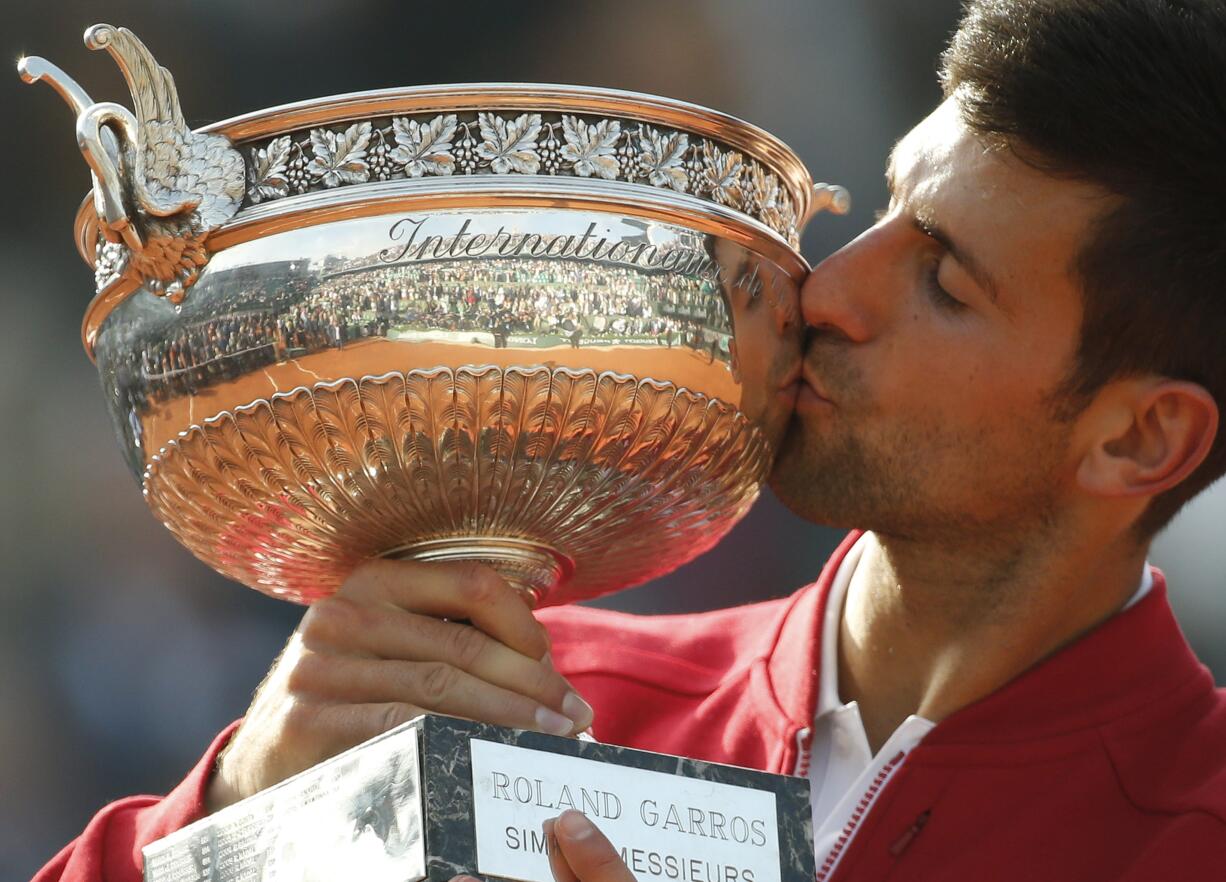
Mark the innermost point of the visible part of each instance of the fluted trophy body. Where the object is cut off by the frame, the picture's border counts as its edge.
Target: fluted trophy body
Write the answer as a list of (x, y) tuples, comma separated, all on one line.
[(554, 329)]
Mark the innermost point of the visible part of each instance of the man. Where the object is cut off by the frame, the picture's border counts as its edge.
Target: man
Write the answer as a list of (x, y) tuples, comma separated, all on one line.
[(1012, 381)]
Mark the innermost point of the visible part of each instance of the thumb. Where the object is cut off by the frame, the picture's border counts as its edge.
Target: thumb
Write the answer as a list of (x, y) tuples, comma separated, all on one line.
[(586, 852)]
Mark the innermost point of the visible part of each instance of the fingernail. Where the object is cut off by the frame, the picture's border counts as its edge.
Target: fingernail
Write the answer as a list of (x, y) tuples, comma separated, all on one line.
[(578, 709), (553, 722), (574, 825), (547, 660)]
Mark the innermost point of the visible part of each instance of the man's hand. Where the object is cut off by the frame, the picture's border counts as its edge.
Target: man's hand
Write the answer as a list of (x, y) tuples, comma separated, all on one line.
[(578, 852), (582, 853), (398, 638)]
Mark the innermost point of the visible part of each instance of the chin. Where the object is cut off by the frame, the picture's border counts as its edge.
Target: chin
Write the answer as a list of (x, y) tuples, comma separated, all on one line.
[(833, 482), (803, 496)]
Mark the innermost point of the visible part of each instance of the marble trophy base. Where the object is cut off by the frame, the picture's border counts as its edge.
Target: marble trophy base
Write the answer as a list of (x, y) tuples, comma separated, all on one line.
[(440, 796)]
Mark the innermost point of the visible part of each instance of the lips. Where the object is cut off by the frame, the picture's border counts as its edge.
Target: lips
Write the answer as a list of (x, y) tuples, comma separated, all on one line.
[(801, 380), (793, 377), (815, 388)]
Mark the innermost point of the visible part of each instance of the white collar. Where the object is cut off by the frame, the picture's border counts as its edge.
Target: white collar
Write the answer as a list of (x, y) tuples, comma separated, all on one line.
[(828, 689)]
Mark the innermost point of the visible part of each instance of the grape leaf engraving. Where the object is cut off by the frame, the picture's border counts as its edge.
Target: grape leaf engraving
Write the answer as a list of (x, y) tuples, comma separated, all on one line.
[(721, 173), (424, 148), (591, 148), (268, 170), (662, 158), (510, 145), (340, 157)]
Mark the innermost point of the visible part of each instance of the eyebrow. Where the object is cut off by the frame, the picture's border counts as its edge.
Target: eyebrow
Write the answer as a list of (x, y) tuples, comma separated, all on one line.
[(930, 228)]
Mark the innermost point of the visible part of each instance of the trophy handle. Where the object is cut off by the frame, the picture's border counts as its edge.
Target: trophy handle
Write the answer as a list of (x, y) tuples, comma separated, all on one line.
[(94, 133), (36, 69), (829, 197), (97, 141), (160, 189)]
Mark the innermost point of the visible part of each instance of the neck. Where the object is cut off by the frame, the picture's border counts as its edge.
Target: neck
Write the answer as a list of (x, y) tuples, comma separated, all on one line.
[(928, 629)]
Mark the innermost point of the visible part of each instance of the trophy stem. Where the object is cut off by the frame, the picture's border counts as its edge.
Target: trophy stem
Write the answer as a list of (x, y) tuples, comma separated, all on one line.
[(532, 568)]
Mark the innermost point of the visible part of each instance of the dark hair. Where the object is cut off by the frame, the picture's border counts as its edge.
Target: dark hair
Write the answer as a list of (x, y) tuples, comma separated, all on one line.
[(1129, 95)]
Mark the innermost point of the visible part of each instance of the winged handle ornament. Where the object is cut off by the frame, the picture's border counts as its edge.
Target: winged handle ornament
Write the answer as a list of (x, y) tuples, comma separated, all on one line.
[(160, 189)]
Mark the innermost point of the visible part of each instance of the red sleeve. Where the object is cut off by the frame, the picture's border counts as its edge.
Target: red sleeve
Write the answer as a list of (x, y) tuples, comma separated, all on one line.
[(109, 848)]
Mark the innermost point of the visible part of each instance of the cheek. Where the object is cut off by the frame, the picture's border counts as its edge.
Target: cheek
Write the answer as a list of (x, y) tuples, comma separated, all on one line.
[(932, 369), (965, 411)]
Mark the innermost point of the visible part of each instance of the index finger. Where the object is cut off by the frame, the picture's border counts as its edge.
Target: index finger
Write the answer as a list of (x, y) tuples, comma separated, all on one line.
[(457, 590)]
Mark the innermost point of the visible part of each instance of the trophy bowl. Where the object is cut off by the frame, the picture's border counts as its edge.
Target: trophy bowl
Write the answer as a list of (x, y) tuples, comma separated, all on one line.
[(553, 329)]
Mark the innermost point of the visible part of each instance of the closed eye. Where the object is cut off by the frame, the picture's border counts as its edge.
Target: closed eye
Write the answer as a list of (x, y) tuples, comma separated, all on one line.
[(940, 298)]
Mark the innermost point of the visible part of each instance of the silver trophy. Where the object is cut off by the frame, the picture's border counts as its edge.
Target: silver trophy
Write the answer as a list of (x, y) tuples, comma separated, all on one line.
[(550, 328)]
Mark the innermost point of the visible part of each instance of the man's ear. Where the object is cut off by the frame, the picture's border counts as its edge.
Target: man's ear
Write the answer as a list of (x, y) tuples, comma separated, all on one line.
[(1149, 435)]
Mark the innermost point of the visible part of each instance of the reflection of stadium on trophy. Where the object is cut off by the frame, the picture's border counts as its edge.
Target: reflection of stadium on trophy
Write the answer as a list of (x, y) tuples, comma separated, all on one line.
[(499, 303)]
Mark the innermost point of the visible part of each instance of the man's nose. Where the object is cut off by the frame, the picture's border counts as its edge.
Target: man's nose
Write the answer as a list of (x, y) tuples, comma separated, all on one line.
[(846, 294)]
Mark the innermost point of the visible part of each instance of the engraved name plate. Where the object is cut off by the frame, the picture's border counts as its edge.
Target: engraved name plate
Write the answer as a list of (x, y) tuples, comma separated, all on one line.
[(667, 828), (440, 796)]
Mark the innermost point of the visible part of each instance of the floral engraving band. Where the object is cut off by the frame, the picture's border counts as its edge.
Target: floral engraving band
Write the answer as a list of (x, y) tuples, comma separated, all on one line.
[(527, 144), (161, 190)]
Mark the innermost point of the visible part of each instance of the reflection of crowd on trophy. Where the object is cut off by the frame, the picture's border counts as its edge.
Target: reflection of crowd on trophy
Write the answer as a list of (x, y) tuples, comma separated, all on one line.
[(501, 303), (194, 348), (543, 298)]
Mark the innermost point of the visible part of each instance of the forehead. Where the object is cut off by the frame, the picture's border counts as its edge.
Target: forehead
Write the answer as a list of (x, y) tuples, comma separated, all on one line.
[(937, 153), (1017, 219)]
